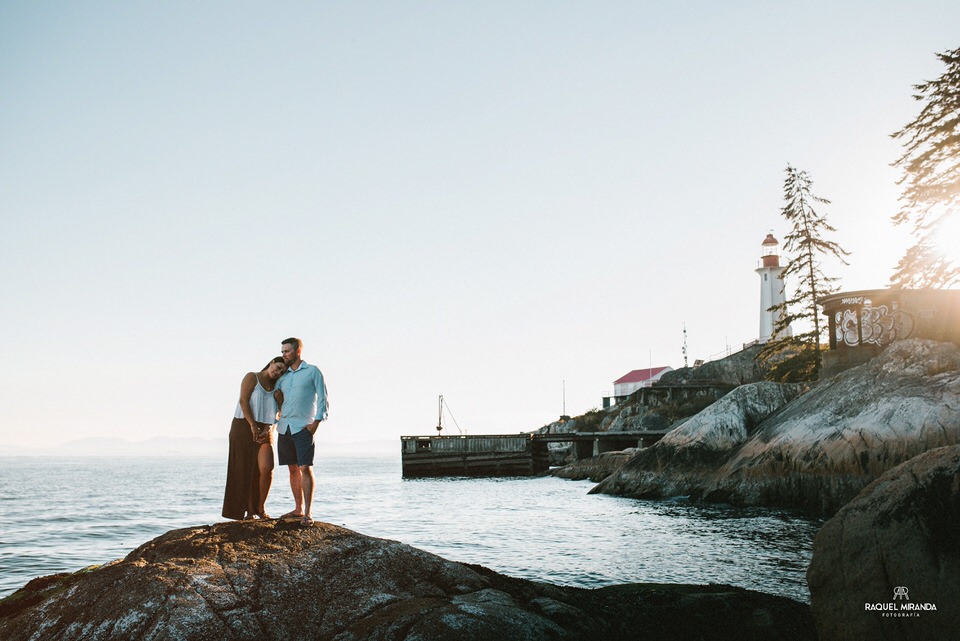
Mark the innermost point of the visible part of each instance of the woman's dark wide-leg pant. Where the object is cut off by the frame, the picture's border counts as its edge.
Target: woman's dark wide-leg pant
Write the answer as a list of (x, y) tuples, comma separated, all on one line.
[(243, 474)]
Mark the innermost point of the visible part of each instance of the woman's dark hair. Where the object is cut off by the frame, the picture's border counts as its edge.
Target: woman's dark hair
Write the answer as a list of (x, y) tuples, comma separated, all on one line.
[(275, 359)]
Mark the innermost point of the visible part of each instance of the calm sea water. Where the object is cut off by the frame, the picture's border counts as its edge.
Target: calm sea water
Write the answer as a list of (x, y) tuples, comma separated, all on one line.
[(68, 513)]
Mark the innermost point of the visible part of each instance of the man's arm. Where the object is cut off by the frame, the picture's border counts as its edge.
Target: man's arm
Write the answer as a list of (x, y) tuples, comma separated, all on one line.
[(323, 404)]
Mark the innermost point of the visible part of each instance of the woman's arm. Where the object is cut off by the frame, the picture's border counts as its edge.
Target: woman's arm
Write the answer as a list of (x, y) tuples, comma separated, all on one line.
[(247, 386)]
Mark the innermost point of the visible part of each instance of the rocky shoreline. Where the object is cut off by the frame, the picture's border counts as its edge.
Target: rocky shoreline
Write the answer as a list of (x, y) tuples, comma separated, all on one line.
[(875, 448), (276, 580), (763, 444), (886, 566)]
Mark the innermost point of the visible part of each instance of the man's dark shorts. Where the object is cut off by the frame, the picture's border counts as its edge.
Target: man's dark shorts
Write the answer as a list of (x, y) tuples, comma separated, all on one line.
[(295, 449)]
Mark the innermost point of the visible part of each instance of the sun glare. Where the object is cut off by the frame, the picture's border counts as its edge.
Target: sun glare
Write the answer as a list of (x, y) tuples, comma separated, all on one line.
[(947, 236)]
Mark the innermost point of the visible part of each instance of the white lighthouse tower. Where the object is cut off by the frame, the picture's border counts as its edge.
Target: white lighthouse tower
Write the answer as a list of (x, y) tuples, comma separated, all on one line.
[(772, 290)]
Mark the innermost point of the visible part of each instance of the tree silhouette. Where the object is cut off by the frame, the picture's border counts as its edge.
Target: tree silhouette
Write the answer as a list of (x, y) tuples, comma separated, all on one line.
[(797, 357), (931, 179)]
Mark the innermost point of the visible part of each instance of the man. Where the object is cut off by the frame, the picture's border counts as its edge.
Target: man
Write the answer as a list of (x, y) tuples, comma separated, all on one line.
[(302, 397)]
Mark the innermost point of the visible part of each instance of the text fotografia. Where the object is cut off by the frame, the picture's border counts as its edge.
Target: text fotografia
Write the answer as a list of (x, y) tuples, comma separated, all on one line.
[(901, 606), (900, 609)]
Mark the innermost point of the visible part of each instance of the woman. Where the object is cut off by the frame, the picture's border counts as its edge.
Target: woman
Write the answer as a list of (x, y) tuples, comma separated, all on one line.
[(250, 462)]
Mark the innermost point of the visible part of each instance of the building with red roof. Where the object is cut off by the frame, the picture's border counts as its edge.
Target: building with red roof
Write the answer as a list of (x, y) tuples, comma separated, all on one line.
[(630, 383)]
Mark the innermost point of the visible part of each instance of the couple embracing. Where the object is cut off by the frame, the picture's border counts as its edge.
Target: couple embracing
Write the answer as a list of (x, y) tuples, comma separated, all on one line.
[(289, 394)]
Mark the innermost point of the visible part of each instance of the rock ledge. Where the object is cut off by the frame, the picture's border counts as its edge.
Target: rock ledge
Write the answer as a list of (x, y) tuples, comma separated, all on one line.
[(275, 580)]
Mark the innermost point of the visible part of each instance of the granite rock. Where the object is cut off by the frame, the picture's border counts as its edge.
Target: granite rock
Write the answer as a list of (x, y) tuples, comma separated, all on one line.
[(275, 580), (739, 368), (686, 458), (817, 451), (595, 468), (891, 555)]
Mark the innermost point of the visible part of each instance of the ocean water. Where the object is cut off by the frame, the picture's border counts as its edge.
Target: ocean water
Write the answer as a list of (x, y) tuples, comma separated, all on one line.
[(64, 514)]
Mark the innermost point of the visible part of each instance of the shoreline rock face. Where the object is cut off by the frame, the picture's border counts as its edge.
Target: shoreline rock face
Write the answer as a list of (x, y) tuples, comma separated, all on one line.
[(736, 369), (595, 468), (891, 555), (275, 580), (682, 460), (816, 452)]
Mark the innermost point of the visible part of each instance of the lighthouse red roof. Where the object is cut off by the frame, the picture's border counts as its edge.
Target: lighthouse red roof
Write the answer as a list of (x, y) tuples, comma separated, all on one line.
[(639, 375), (770, 240)]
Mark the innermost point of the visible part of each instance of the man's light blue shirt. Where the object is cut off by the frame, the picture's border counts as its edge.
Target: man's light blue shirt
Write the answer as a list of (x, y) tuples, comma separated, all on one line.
[(304, 398)]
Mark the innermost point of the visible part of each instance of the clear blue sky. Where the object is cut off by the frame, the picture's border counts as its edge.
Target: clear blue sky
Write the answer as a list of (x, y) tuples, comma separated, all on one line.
[(475, 199)]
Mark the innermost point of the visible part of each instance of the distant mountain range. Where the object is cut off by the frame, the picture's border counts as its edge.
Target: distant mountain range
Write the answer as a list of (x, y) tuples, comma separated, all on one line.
[(167, 446), (100, 446)]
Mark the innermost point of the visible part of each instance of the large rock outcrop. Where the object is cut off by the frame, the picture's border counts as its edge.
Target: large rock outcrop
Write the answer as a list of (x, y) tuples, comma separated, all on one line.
[(740, 368), (889, 557), (819, 450), (275, 580), (684, 460)]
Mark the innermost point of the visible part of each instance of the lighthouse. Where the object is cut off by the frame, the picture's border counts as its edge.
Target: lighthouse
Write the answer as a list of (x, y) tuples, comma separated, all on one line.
[(771, 288)]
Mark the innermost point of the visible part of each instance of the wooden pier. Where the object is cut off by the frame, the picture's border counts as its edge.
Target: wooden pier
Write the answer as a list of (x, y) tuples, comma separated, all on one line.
[(506, 454), (482, 455)]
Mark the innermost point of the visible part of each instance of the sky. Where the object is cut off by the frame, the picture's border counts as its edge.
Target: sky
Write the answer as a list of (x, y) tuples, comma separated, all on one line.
[(511, 204)]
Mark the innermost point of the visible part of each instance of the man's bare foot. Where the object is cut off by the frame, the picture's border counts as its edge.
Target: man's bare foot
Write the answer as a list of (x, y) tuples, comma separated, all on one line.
[(293, 515)]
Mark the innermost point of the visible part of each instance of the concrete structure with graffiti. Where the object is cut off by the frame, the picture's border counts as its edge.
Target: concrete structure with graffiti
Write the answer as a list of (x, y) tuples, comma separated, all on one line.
[(863, 323)]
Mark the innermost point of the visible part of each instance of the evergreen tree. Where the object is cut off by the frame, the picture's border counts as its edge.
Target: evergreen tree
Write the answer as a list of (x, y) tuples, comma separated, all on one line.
[(797, 357), (931, 179)]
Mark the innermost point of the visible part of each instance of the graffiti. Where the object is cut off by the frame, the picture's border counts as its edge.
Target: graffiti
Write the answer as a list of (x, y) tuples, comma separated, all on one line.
[(877, 325), (848, 332), (880, 325)]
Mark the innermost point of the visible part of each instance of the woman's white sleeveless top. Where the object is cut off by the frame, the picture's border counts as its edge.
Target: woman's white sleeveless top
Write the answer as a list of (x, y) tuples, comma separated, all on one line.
[(262, 404)]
